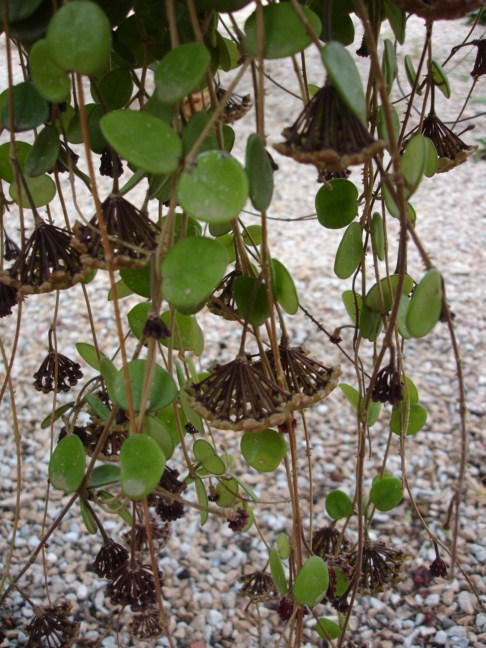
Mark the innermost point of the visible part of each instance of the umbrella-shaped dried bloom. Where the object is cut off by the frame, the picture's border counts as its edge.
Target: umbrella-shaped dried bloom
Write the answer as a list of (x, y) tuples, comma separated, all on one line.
[(110, 163), (133, 584), (308, 380), (326, 176), (236, 106), (439, 9), (388, 385), (67, 159), (450, 148), (380, 568), (11, 250), (257, 585), (110, 450), (131, 234), (155, 328), (328, 135), (480, 64), (160, 534), (8, 299), (146, 625), (222, 301), (51, 628), (237, 396), (57, 372), (109, 558), (328, 541), (46, 262)]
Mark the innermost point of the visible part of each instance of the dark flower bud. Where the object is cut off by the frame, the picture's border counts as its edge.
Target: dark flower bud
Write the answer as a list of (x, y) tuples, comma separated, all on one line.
[(155, 328), (240, 519)]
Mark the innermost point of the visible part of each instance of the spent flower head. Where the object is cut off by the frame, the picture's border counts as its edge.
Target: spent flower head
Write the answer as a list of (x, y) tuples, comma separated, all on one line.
[(51, 628)]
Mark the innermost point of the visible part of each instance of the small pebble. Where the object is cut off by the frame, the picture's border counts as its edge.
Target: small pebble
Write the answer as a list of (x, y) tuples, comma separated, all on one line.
[(440, 638)]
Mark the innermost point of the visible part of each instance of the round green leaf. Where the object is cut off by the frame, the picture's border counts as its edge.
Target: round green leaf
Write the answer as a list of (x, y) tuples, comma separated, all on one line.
[(283, 545), (251, 300), (440, 78), (337, 203), (137, 280), (202, 498), (284, 288), (352, 303), (330, 627), (386, 493), (145, 141), (193, 130), (283, 33), (412, 391), (163, 390), (206, 454), (30, 109), (137, 317), (259, 171), (79, 37), (312, 582), (373, 296), (157, 430), (191, 270), (402, 317), (215, 189), (89, 355), (382, 126), (226, 492), (397, 19), (67, 464), (417, 418), (426, 305), (278, 573), (6, 168), (180, 72), (350, 251), (338, 505), (43, 154), (115, 88), (263, 450), (187, 334), (345, 78), (252, 235), (50, 80), (142, 464), (352, 396), (41, 189), (413, 163)]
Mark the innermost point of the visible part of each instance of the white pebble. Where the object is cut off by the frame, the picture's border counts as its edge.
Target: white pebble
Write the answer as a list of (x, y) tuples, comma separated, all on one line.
[(440, 638), (432, 599), (215, 619), (481, 620), (466, 602), (82, 591)]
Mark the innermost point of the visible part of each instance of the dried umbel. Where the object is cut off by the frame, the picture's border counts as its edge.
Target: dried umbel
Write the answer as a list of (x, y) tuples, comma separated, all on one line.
[(236, 106), (328, 541), (110, 163), (57, 372), (131, 234), (380, 568), (222, 302), (257, 585), (109, 558), (46, 262), (11, 250), (160, 535), (237, 396), (91, 434), (308, 380), (51, 628), (452, 151), (146, 625), (480, 64), (439, 9), (66, 160), (328, 135), (133, 584), (388, 385), (169, 510), (8, 299)]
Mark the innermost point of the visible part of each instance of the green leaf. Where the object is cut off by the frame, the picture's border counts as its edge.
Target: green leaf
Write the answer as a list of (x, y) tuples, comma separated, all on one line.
[(337, 203), (402, 317), (181, 72), (67, 464), (138, 281), (88, 519), (109, 373), (89, 355), (98, 407), (187, 333), (378, 235), (41, 190), (352, 396), (202, 498), (312, 582), (252, 235), (251, 300), (20, 10), (352, 302), (432, 159), (426, 305), (370, 323), (158, 431), (206, 455), (327, 628), (413, 163), (191, 270), (50, 80), (137, 317), (397, 19), (215, 189), (283, 33), (283, 545), (142, 464), (30, 109), (417, 418), (386, 493), (278, 573), (104, 475), (338, 505), (115, 89), (389, 65), (163, 389), (344, 76), (116, 505), (143, 140), (440, 78), (350, 252), (410, 72), (79, 37), (226, 492), (54, 416), (373, 297), (193, 130), (284, 288), (6, 168), (43, 154), (412, 391), (260, 173), (382, 127), (263, 450)]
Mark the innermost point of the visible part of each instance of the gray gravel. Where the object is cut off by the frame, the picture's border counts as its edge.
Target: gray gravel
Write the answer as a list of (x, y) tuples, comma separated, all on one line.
[(202, 565)]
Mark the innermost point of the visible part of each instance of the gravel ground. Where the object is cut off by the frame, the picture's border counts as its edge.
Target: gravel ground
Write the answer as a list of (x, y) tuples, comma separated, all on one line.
[(202, 565)]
